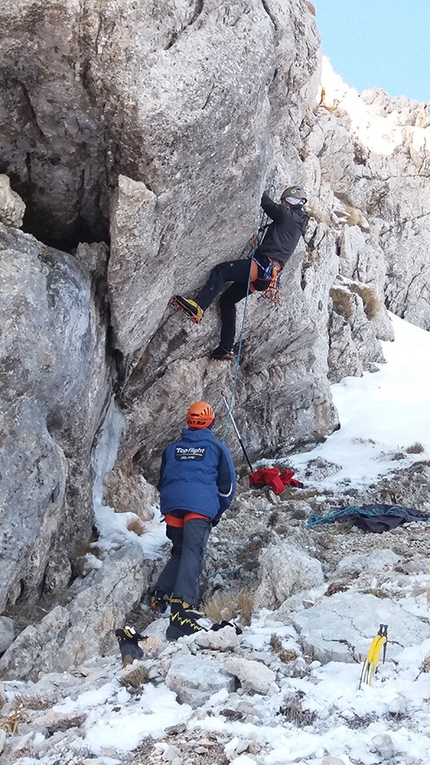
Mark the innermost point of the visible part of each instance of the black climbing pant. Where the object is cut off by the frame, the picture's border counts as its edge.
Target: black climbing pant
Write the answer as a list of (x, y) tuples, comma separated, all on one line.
[(236, 271), (180, 576)]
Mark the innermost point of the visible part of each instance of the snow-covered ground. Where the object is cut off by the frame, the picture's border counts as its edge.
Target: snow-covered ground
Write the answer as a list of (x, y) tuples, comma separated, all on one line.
[(381, 414)]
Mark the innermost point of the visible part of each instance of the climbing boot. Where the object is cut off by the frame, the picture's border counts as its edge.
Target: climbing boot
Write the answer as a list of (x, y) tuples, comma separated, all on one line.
[(159, 601), (128, 642), (220, 354), (183, 620), (190, 307)]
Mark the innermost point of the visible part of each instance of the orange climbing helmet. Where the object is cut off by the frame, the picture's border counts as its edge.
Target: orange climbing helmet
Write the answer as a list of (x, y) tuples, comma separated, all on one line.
[(200, 415)]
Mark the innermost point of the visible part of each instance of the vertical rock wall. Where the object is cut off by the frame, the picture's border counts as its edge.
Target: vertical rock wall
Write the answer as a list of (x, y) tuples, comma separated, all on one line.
[(54, 383)]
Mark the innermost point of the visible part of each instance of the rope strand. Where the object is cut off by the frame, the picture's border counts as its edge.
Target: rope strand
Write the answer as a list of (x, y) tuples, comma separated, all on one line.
[(256, 241)]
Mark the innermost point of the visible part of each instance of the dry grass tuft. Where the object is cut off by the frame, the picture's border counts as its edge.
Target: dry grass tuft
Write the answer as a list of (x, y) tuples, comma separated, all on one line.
[(371, 303), (335, 587), (36, 703), (377, 593), (317, 213), (353, 216), (332, 106), (415, 448), (276, 643), (231, 606), (285, 654), (293, 712), (17, 714), (137, 525), (342, 302)]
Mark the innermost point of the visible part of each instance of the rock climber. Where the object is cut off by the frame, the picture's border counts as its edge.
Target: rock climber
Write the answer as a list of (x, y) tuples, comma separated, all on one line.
[(289, 222), (197, 484)]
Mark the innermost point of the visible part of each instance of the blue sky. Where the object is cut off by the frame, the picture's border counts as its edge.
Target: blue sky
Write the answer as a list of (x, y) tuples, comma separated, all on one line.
[(378, 43)]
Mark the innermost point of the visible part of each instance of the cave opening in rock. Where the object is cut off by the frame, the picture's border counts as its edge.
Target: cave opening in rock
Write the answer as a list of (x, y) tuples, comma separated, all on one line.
[(80, 230), (61, 222)]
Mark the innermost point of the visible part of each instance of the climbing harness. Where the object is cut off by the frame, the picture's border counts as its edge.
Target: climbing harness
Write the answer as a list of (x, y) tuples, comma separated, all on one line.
[(272, 273), (378, 644)]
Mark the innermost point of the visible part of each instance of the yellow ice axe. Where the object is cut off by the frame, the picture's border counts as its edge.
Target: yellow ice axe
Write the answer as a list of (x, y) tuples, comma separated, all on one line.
[(378, 644)]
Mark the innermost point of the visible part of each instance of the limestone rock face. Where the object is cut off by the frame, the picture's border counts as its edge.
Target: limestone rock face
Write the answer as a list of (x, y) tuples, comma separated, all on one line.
[(178, 100), (12, 207), (54, 383), (192, 110), (7, 633), (84, 628), (374, 153)]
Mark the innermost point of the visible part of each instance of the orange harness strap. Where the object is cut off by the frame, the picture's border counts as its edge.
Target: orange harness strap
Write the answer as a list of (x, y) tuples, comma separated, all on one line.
[(172, 520), (271, 283)]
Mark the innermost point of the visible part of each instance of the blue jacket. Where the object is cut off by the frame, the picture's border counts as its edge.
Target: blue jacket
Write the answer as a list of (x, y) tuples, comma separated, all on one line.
[(197, 474)]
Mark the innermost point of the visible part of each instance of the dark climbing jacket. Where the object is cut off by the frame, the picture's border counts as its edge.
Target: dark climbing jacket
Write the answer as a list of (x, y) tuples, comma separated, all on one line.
[(282, 236), (197, 475)]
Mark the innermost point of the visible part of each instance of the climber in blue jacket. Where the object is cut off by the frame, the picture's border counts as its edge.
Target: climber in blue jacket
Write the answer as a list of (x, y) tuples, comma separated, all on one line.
[(197, 484)]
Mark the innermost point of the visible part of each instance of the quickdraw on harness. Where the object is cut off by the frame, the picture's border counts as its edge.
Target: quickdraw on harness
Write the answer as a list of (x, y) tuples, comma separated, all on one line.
[(272, 274), (378, 643)]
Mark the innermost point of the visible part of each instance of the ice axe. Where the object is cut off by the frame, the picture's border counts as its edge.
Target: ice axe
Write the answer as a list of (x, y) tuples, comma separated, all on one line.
[(237, 432)]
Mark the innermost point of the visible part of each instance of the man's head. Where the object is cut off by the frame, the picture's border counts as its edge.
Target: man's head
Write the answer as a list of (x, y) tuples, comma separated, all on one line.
[(200, 415), (293, 195)]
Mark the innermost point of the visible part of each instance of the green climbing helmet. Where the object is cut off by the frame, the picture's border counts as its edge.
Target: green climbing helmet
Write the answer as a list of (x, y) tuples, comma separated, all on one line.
[(294, 195)]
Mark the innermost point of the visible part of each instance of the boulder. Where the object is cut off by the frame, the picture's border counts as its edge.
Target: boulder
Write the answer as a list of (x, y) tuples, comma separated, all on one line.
[(195, 679), (341, 627), (253, 675), (286, 570)]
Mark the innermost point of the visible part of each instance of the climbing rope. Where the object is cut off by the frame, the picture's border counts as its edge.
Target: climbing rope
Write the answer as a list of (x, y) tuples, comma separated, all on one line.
[(236, 370), (256, 241), (232, 571), (317, 520)]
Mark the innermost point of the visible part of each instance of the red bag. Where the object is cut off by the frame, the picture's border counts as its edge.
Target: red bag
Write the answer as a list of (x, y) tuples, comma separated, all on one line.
[(287, 478), (271, 477)]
